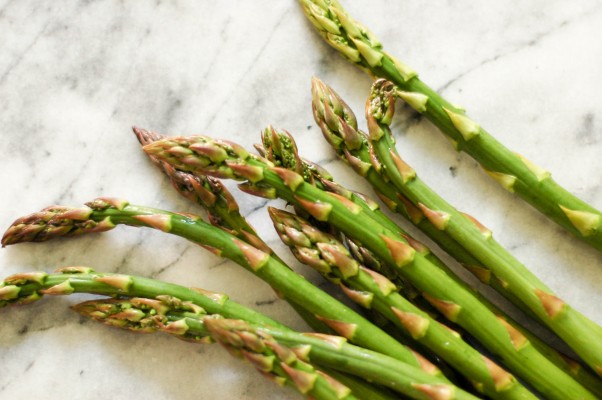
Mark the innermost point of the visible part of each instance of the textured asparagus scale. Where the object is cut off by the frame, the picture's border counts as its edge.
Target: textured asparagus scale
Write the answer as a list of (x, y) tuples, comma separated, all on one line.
[(26, 288), (374, 291), (580, 333), (198, 154), (111, 212), (151, 307), (338, 125), (514, 172), (184, 309)]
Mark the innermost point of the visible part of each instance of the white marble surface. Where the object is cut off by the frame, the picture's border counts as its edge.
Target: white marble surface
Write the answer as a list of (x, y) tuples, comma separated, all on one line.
[(74, 76)]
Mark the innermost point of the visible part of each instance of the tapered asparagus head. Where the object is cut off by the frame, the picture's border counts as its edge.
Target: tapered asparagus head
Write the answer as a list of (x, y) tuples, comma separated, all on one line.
[(136, 314), (353, 40), (313, 247), (334, 117), (273, 360), (204, 190), (27, 287), (165, 314), (380, 106), (145, 136), (281, 149), (202, 155), (57, 221)]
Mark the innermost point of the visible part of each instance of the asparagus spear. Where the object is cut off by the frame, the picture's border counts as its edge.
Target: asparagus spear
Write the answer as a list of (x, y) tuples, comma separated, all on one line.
[(339, 126), (514, 172), (372, 290), (320, 349), (186, 323), (224, 159), (104, 214), (183, 308), (580, 333)]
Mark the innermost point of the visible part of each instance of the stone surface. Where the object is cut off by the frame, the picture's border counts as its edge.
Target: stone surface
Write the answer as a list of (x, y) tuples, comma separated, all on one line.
[(75, 76)]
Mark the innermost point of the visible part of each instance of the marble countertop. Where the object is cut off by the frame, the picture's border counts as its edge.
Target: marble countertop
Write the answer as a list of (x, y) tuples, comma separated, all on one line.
[(75, 76)]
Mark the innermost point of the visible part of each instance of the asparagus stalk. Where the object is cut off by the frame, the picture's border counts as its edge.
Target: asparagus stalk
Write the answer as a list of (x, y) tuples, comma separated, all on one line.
[(104, 214), (186, 323), (512, 171), (339, 126), (374, 291), (320, 349), (224, 159), (580, 333), (148, 315), (183, 309)]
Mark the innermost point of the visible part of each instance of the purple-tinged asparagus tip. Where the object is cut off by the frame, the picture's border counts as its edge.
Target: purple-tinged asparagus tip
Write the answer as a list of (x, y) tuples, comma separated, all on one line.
[(255, 257), (161, 222), (501, 378), (401, 253), (121, 282), (304, 381)]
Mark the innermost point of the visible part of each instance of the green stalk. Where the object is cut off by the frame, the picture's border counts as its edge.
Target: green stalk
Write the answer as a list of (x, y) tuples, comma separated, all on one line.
[(192, 303), (339, 127), (515, 173), (186, 323), (223, 211), (580, 333), (103, 214), (144, 315), (279, 147), (224, 159), (373, 291), (209, 193)]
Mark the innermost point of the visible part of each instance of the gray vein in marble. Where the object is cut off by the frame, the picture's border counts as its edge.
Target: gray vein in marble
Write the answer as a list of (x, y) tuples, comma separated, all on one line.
[(587, 133), (267, 302), (532, 42), (167, 266), (281, 19), (23, 53)]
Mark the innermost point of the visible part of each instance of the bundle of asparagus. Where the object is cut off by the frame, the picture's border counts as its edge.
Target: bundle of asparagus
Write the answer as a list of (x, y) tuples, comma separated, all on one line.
[(421, 332)]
